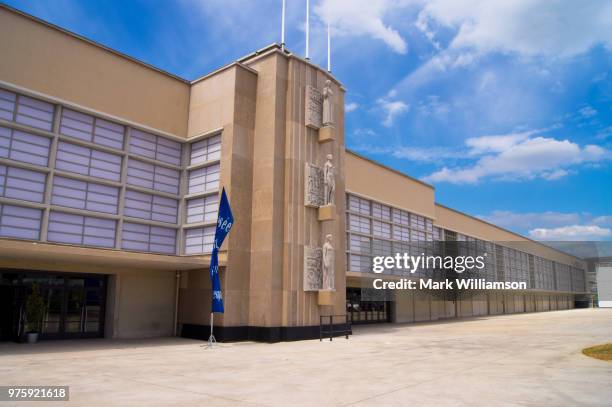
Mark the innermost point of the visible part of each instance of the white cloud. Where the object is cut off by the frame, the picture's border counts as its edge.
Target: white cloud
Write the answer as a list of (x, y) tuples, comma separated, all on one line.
[(571, 233), (392, 109), (519, 156), (587, 112), (416, 154), (363, 18), (350, 107), (526, 28)]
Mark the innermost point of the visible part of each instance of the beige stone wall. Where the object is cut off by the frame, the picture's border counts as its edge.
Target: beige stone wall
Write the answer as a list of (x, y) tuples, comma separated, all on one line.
[(380, 183), (141, 304), (45, 59)]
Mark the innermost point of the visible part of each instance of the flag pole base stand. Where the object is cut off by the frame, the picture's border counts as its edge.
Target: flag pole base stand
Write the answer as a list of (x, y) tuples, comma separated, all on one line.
[(211, 342)]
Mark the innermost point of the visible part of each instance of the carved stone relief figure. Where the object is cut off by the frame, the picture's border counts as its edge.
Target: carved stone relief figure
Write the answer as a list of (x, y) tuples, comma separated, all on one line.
[(329, 179), (328, 107), (328, 264)]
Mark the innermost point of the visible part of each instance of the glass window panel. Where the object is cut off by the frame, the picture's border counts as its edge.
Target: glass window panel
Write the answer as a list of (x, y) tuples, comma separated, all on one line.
[(19, 183), (359, 244), (82, 230), (155, 147), (7, 104), (204, 179), (359, 223), (20, 222), (84, 195), (25, 147), (199, 240), (148, 238), (206, 150), (202, 209), (34, 113), (152, 176)]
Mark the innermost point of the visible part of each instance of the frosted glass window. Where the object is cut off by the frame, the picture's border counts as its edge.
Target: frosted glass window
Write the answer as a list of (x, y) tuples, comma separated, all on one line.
[(18, 183), (34, 113), (381, 229), (359, 224), (359, 244), (199, 240), (86, 161), (81, 230), (146, 238), (360, 263), (89, 128), (381, 211), (206, 150), (155, 147), (381, 248), (7, 104), (204, 179), (401, 217), (417, 222), (84, 195), (151, 207), (401, 233), (152, 176), (359, 205), (19, 222), (202, 209), (25, 147)]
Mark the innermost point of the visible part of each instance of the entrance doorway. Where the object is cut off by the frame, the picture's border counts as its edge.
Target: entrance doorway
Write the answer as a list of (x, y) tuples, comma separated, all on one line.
[(360, 311), (74, 304)]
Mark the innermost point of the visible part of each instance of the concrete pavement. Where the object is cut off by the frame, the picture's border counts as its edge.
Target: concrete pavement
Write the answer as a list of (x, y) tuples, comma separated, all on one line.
[(521, 359)]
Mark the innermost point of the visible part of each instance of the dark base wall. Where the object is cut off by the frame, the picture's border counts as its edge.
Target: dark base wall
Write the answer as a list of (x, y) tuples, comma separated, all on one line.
[(256, 333)]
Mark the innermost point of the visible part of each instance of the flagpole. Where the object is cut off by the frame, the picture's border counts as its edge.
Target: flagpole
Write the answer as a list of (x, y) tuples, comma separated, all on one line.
[(307, 29), (328, 49), (283, 27), (211, 338)]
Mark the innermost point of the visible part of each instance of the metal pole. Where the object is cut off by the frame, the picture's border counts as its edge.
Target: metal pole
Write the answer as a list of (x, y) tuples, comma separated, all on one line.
[(283, 27), (328, 49), (307, 29), (211, 338)]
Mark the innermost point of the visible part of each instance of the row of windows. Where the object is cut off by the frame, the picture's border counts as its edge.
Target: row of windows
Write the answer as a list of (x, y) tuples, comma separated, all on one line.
[(386, 213), (365, 225)]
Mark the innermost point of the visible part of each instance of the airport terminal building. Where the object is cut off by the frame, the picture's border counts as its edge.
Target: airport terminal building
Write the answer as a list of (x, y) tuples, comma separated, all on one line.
[(110, 176)]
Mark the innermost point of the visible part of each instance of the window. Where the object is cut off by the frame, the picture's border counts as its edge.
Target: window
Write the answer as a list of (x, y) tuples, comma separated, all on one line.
[(148, 238), (359, 205), (18, 183), (83, 230), (401, 233), (152, 176), (206, 150), (360, 263), (381, 248), (381, 211), (84, 195), (199, 240), (7, 104), (417, 222), (25, 147), (202, 209), (204, 179), (151, 207), (86, 161), (21, 223), (401, 217), (359, 244), (89, 128), (155, 147), (358, 223), (34, 113), (381, 229)]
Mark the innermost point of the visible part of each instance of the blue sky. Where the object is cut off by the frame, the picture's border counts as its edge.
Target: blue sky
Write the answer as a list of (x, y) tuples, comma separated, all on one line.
[(505, 107)]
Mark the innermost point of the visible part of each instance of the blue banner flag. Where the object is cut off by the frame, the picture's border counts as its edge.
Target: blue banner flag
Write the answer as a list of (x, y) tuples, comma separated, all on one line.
[(225, 220)]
